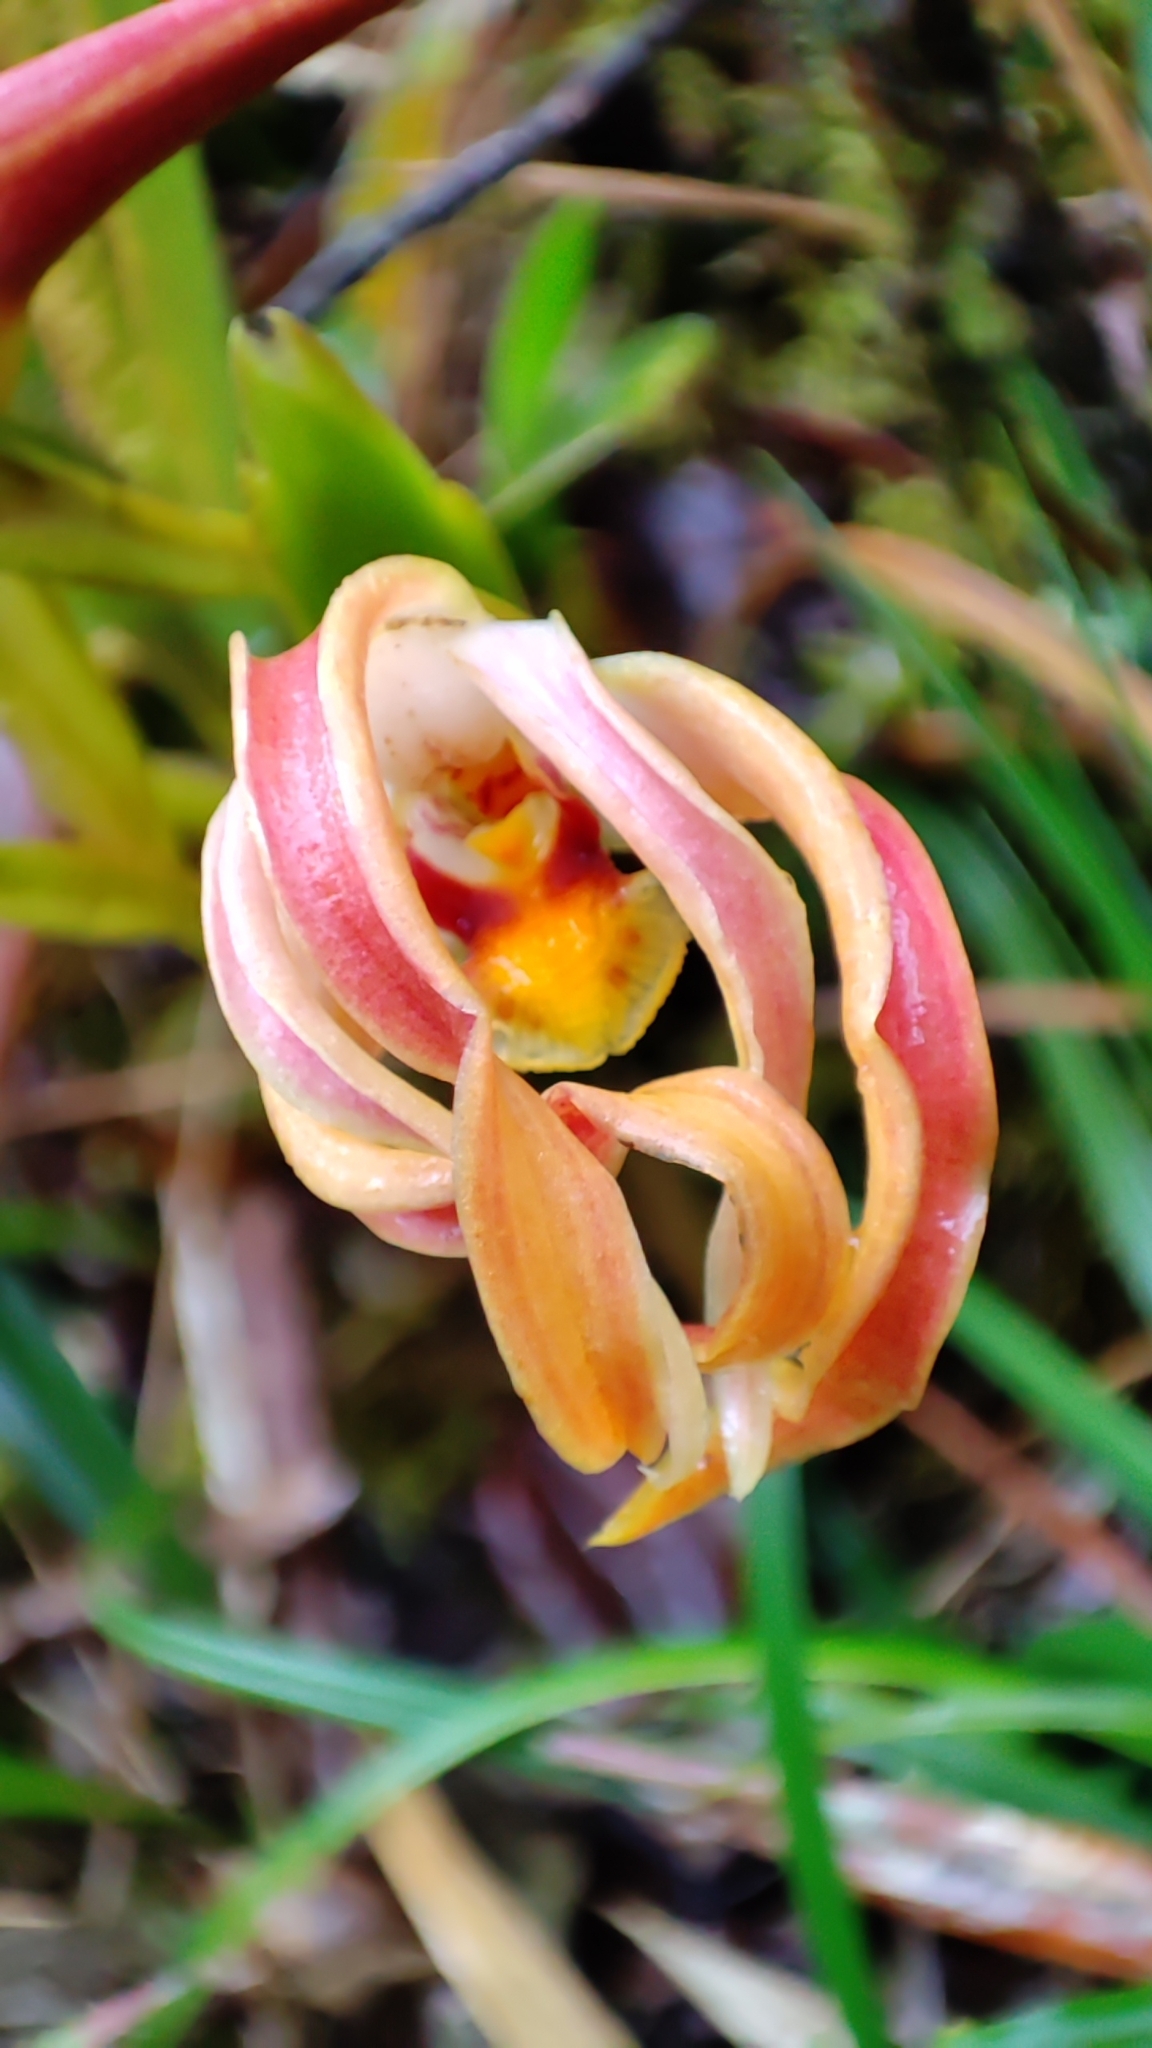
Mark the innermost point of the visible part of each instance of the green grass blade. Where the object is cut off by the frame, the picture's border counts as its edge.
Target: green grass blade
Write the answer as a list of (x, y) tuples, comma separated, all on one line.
[(372, 1693), (1048, 1379), (1110, 2019), (1104, 1132), (35, 1791), (74, 1457), (82, 890), (50, 1423), (540, 308), (777, 1572)]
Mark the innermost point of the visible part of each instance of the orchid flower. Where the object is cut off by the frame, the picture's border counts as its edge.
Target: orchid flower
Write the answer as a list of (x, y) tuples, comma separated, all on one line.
[(81, 124), (413, 875)]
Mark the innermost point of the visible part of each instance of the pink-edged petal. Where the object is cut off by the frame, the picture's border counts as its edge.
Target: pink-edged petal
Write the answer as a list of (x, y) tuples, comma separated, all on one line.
[(764, 765), (353, 1173), (931, 1020), (434, 1232), (788, 1211), (744, 912), (562, 1277), (411, 998), (280, 1022)]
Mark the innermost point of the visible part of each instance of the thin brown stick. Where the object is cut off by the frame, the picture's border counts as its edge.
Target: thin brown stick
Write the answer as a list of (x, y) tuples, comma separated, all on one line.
[(1012, 1009), (151, 1089), (1025, 1494), (689, 198)]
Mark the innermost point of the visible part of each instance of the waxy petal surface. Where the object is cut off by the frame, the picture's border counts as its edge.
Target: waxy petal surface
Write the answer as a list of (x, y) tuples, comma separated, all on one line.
[(82, 123), (931, 1020), (743, 911), (789, 1209), (735, 742), (561, 1274), (353, 1173), (420, 1008), (280, 1022)]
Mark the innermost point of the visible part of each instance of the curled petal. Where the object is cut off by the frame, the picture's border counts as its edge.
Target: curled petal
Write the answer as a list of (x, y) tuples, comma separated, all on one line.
[(788, 1207), (279, 1020), (82, 123), (759, 762), (743, 911), (353, 1173), (390, 970), (562, 1277), (931, 1020), (434, 1232)]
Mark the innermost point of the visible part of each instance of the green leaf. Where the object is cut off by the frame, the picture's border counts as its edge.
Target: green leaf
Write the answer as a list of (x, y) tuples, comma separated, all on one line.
[(64, 518), (133, 319), (635, 389), (777, 1573), (1012, 929), (78, 742), (382, 1694), (334, 483), (1058, 818), (540, 308), (1048, 1379), (35, 1791), (1110, 2019), (95, 895), (38, 1230), (75, 1458), (61, 1437)]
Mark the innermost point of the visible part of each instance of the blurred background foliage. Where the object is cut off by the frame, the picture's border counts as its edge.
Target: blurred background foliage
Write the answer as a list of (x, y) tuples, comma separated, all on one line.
[(818, 352)]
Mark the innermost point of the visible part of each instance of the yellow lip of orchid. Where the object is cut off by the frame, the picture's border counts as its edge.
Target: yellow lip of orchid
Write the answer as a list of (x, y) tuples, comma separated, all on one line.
[(412, 865)]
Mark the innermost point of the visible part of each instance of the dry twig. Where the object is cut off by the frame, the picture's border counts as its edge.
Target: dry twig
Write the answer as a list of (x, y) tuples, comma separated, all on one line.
[(366, 244)]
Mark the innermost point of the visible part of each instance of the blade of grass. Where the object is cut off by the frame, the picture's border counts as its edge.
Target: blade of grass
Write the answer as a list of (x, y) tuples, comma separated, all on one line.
[(50, 1423), (1104, 1132), (1045, 1377), (73, 1455), (777, 1575), (1109, 2019), (1085, 865)]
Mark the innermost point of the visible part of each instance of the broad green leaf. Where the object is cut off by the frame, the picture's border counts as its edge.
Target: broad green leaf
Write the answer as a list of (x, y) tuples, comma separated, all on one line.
[(187, 789), (334, 483), (62, 517), (540, 308), (94, 894), (1046, 1378), (633, 392), (78, 741), (133, 319)]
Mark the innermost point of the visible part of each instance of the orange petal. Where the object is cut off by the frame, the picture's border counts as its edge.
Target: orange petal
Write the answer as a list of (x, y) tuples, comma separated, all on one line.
[(789, 1210), (561, 1274), (653, 1507), (755, 760), (355, 1173)]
